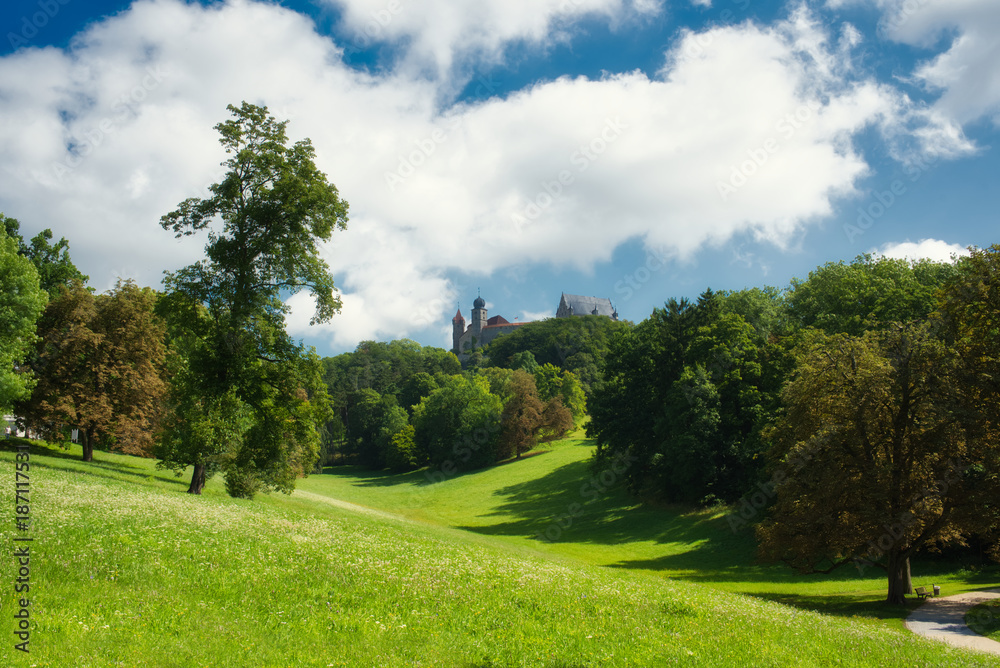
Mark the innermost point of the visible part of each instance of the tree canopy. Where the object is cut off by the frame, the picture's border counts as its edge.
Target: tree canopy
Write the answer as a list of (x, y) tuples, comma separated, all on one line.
[(100, 368), (886, 463), (867, 293), (686, 393), (52, 261), (266, 220), (21, 302), (578, 344)]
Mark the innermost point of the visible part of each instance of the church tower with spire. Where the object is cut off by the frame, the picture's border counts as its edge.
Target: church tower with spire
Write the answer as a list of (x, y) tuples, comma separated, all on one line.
[(457, 330)]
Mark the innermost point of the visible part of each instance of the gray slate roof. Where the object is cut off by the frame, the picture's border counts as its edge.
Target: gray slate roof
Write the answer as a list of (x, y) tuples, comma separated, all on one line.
[(584, 306)]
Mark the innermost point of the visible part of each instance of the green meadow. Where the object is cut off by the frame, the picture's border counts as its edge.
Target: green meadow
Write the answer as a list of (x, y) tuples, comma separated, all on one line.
[(363, 569), (985, 619)]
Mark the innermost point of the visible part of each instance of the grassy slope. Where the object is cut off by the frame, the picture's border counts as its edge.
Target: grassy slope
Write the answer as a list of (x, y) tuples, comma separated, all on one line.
[(128, 570), (520, 501), (985, 619)]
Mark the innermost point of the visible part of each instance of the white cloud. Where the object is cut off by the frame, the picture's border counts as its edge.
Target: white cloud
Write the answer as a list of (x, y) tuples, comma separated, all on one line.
[(435, 35), (932, 249), (966, 75), (745, 129)]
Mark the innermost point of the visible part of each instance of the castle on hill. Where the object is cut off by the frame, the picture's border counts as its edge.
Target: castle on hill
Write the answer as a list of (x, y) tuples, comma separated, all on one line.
[(482, 330)]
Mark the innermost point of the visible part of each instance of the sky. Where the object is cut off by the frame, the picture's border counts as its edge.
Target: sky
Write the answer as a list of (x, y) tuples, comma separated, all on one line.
[(632, 149)]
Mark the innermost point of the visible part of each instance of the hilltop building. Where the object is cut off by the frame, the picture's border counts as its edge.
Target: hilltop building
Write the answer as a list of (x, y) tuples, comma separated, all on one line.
[(482, 330), (570, 305)]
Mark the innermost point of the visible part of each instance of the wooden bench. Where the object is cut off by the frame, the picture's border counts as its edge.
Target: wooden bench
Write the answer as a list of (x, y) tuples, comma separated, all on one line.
[(922, 592)]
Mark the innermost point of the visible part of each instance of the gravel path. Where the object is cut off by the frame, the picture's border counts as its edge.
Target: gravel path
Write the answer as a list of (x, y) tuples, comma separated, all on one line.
[(944, 619)]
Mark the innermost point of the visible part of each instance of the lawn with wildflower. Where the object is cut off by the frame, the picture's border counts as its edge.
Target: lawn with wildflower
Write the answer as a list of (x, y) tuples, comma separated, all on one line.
[(556, 503), (128, 570)]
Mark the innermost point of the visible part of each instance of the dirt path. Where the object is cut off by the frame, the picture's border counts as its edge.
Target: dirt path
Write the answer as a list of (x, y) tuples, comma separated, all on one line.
[(347, 505), (944, 619)]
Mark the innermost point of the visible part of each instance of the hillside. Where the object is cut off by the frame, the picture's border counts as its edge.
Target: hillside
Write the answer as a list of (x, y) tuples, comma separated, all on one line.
[(128, 570), (554, 503)]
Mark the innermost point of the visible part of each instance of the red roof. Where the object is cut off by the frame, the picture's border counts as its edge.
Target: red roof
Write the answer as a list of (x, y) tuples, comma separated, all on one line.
[(506, 324), (497, 320), (458, 316)]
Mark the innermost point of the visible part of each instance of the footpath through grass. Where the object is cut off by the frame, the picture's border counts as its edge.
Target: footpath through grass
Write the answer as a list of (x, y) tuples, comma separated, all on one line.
[(128, 570), (554, 503)]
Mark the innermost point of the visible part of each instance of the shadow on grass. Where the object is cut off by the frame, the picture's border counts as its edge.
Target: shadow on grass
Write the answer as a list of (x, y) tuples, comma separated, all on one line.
[(573, 503), (370, 478), (64, 459), (432, 475), (844, 605)]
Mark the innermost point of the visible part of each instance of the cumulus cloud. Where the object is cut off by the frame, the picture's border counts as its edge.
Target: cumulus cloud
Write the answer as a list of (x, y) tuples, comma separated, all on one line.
[(925, 249), (966, 75), (745, 129), (433, 35)]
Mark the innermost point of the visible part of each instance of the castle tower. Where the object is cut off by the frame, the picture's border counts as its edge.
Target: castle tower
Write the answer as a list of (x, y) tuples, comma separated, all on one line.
[(457, 329), (478, 316)]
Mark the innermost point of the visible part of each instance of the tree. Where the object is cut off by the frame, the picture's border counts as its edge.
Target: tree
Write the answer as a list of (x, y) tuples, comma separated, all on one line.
[(521, 417), (374, 421), (553, 382), (21, 302), (873, 460), (556, 422), (416, 387), (55, 268), (266, 219), (402, 452), (578, 344), (686, 393), (100, 368), (457, 425), (869, 293)]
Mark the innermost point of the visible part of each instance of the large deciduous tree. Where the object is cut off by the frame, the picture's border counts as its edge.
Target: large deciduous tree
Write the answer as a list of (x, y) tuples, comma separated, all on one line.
[(884, 463), (266, 220), (21, 302), (100, 367)]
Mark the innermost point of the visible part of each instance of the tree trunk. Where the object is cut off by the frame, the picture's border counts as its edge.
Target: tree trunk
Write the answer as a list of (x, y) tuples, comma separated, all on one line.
[(88, 444), (900, 584), (197, 479)]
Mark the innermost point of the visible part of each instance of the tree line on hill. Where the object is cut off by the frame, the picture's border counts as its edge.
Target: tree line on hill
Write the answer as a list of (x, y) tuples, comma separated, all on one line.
[(858, 410), (402, 406), (851, 418)]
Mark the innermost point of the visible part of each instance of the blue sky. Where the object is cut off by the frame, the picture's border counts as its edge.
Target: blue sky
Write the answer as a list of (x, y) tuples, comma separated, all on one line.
[(633, 149)]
